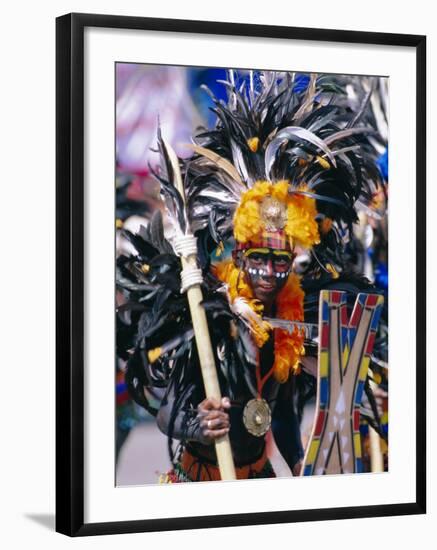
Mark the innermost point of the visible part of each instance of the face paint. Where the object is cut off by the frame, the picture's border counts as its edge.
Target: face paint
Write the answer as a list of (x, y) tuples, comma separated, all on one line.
[(268, 271), (264, 273)]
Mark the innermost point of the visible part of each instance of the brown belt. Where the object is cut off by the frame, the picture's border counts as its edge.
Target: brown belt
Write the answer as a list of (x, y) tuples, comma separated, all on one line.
[(198, 470)]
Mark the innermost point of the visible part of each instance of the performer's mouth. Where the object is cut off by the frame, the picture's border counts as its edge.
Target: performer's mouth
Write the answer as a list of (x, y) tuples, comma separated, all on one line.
[(266, 286)]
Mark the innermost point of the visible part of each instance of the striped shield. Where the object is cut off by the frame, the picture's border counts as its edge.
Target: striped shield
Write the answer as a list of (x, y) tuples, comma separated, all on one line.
[(345, 347)]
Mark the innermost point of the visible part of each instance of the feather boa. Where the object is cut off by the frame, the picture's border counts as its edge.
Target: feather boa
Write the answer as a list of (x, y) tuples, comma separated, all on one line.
[(289, 305)]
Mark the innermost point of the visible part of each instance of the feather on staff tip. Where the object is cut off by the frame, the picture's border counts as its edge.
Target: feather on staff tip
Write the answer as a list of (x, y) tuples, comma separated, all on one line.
[(174, 202)]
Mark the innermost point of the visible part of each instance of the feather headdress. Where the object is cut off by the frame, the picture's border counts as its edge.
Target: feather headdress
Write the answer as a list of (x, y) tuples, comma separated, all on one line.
[(311, 141)]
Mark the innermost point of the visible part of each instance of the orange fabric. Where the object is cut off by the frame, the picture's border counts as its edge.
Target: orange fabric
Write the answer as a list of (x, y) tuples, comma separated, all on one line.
[(289, 347), (209, 472)]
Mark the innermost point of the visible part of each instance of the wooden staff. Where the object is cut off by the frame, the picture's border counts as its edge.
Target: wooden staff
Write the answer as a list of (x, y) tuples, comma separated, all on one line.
[(376, 456), (203, 342)]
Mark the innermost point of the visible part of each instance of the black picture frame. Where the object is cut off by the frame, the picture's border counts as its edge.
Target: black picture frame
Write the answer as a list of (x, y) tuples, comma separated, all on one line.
[(70, 272)]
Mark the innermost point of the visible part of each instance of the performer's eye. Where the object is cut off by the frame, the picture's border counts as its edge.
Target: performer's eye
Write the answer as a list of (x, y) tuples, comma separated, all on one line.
[(282, 262), (257, 259)]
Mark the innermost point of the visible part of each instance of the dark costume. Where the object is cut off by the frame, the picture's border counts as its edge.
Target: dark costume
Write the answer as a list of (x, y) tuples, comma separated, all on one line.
[(283, 169)]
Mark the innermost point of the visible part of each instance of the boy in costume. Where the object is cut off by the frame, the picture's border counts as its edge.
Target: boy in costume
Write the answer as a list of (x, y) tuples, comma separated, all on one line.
[(282, 172)]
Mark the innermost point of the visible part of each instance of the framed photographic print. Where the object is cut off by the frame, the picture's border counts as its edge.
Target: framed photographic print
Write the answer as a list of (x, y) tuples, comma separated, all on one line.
[(240, 274)]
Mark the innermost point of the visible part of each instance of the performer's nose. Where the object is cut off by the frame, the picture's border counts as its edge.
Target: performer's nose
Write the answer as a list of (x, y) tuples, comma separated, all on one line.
[(269, 268)]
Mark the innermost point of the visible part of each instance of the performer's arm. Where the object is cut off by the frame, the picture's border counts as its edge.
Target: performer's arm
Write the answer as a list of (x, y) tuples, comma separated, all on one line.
[(208, 422), (286, 430)]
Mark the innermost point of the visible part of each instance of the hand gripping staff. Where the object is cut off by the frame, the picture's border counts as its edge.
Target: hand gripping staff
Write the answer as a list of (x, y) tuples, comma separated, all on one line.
[(184, 245)]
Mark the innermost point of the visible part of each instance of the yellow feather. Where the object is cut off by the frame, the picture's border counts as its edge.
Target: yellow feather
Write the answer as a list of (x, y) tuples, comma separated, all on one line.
[(323, 162), (301, 226), (253, 144)]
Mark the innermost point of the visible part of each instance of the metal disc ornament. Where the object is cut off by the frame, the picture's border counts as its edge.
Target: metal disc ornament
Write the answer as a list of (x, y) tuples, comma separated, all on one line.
[(257, 417)]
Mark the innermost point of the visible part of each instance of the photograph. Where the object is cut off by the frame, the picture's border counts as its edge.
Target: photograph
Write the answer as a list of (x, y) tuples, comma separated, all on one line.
[(220, 215), (251, 274)]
